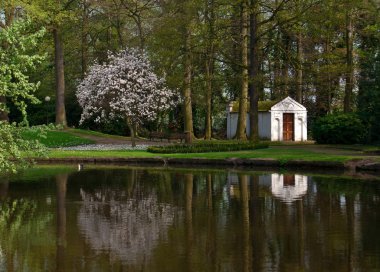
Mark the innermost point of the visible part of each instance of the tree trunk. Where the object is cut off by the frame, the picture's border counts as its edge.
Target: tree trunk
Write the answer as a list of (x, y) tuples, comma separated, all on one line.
[(187, 104), (276, 93), (349, 62), (141, 33), (210, 15), (243, 99), (132, 129), (299, 73), (285, 66), (60, 111), (323, 93), (253, 76), (84, 47), (208, 127)]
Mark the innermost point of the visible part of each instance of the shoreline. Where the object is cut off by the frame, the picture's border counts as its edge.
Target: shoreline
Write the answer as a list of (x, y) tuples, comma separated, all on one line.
[(351, 165)]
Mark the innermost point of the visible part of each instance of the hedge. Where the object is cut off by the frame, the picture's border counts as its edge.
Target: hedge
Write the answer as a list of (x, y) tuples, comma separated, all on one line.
[(208, 146)]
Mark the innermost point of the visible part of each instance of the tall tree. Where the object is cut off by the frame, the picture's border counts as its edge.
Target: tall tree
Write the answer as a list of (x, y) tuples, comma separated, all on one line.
[(254, 73), (187, 102), (243, 96), (209, 64), (369, 80), (349, 75), (60, 110), (53, 14)]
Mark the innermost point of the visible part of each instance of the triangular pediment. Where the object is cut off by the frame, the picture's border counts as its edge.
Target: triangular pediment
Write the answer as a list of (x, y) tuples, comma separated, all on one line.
[(288, 104)]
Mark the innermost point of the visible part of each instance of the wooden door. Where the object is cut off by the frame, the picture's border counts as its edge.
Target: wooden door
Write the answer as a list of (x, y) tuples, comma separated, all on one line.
[(288, 126)]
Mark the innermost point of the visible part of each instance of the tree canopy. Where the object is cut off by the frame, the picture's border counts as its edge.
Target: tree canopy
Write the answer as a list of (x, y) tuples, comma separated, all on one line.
[(213, 51)]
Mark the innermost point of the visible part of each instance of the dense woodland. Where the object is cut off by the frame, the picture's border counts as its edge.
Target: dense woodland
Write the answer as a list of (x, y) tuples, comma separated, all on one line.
[(323, 53)]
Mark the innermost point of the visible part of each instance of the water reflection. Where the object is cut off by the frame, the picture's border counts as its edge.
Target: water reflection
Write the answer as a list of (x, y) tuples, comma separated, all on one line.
[(160, 220), (61, 184), (288, 188), (128, 229), (20, 220)]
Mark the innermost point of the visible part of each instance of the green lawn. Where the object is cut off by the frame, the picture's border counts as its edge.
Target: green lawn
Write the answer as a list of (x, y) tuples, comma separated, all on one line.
[(271, 152), (56, 138), (94, 133)]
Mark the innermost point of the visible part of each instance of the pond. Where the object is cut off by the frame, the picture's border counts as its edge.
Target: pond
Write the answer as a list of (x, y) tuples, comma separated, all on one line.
[(157, 219)]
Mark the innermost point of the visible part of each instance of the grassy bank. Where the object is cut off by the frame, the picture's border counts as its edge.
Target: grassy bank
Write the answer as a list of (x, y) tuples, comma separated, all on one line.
[(55, 138), (282, 152), (273, 152)]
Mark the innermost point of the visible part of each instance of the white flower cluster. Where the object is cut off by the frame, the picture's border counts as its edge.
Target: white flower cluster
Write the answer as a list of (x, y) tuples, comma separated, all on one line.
[(125, 87)]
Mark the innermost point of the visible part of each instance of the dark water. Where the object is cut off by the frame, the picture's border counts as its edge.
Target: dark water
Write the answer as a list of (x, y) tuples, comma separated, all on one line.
[(119, 219)]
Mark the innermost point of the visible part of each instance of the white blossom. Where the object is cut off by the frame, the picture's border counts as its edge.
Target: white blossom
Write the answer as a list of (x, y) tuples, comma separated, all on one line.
[(125, 87)]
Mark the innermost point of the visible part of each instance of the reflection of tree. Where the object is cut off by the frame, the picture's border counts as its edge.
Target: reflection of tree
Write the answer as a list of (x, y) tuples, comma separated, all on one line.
[(211, 237), (243, 182), (258, 232), (23, 229), (189, 183), (61, 183), (129, 229), (4, 185)]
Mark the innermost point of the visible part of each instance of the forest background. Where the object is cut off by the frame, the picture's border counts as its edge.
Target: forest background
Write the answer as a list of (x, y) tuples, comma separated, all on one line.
[(323, 53)]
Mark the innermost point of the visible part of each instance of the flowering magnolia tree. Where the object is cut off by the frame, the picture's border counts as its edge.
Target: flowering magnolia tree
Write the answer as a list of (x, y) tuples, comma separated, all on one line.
[(124, 87)]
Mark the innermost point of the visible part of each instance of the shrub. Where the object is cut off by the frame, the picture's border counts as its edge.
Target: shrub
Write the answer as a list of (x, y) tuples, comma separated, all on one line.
[(207, 146), (15, 151), (341, 128)]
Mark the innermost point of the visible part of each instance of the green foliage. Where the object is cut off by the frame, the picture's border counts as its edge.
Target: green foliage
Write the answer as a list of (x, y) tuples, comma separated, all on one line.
[(54, 138), (339, 128), (16, 61), (369, 83), (14, 148), (207, 146)]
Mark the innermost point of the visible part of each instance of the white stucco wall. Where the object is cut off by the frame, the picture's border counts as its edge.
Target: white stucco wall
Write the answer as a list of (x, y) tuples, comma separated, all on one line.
[(264, 125), (276, 121), (300, 127)]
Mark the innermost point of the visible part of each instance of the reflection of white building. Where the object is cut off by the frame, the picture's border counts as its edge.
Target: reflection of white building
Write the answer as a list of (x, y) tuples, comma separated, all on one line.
[(288, 188), (128, 229)]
